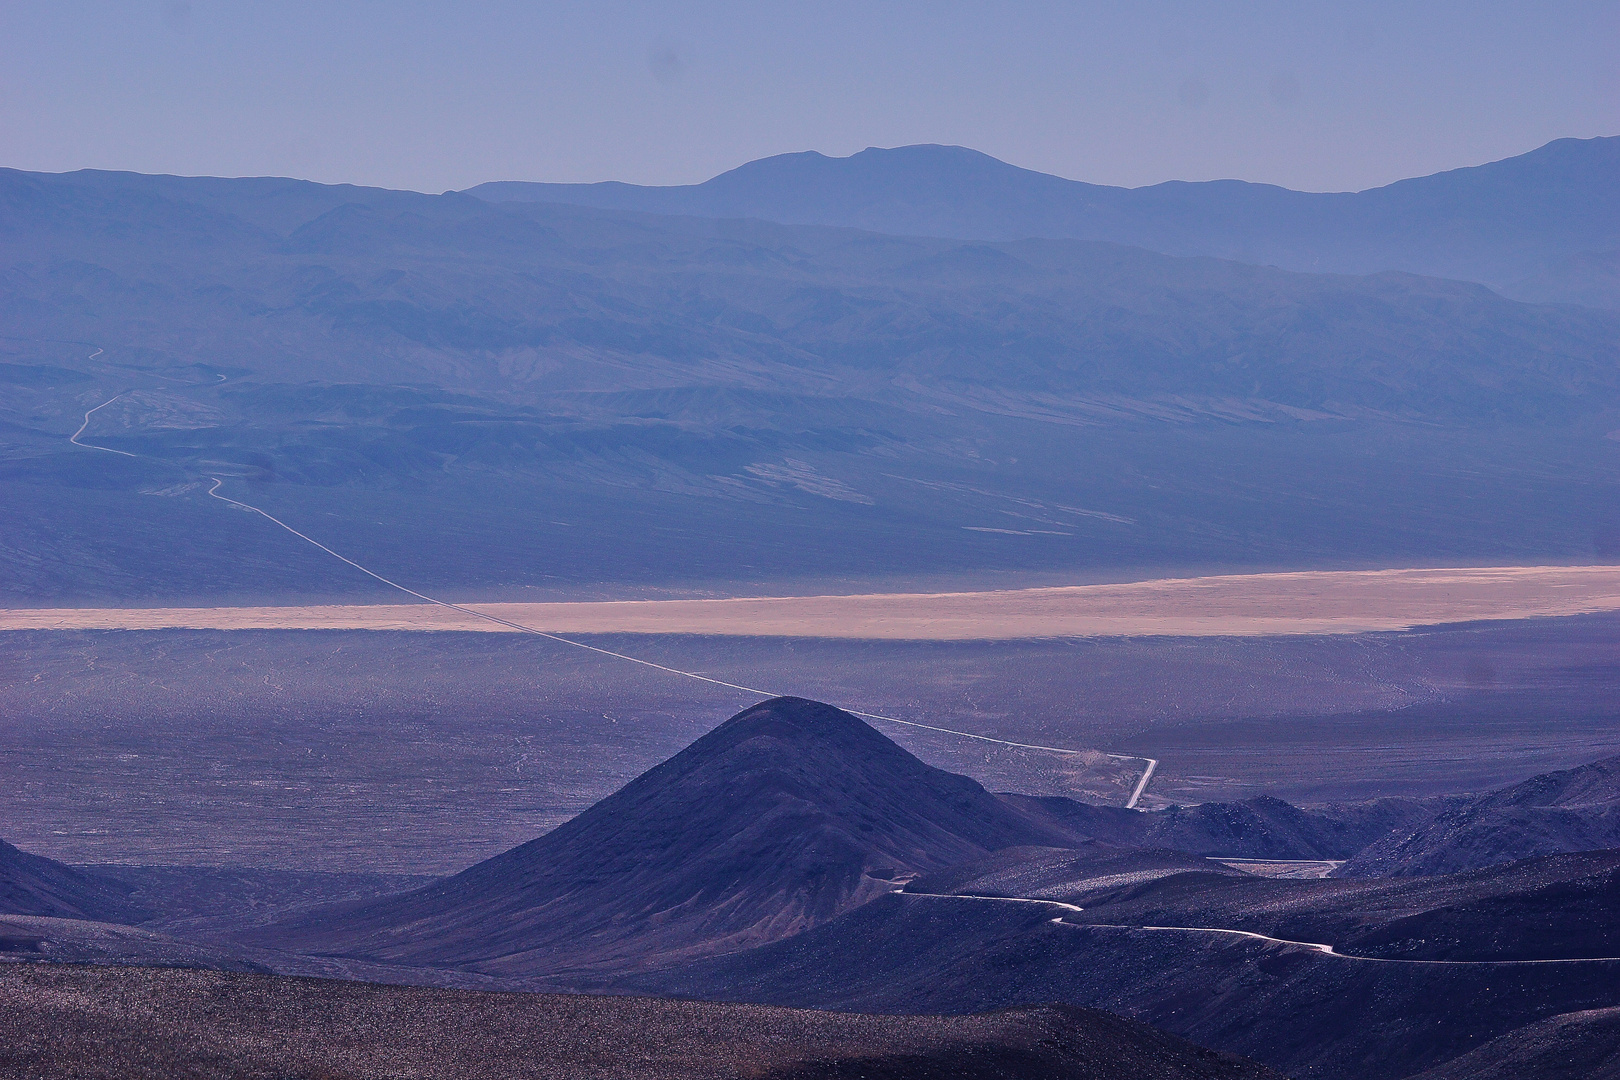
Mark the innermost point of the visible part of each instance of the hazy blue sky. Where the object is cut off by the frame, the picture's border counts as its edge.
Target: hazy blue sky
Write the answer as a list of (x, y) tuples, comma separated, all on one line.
[(439, 95)]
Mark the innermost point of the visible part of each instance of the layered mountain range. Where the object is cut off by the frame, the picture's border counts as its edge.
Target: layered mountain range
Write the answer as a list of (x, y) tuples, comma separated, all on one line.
[(1542, 226), (500, 395)]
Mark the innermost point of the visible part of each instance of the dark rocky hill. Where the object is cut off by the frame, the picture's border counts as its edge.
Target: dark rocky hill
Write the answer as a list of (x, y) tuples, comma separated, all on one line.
[(784, 817), (1499, 223), (1574, 1046), (1570, 810), (124, 1024), (1258, 828), (35, 885)]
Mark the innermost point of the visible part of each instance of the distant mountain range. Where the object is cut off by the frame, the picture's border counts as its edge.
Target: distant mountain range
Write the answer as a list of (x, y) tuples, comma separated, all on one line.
[(1542, 226), (659, 400)]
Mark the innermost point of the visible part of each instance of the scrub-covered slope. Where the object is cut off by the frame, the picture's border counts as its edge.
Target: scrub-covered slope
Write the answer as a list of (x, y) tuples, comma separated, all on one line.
[(126, 1024), (784, 817), (35, 885), (1570, 810)]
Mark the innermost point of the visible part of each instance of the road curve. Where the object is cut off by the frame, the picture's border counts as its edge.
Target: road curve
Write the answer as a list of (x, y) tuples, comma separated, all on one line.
[(999, 900), (1329, 950), (74, 438), (1314, 946)]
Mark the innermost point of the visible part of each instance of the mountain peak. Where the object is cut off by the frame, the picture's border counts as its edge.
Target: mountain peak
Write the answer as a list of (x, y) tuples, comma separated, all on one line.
[(795, 721), (1509, 223), (780, 819)]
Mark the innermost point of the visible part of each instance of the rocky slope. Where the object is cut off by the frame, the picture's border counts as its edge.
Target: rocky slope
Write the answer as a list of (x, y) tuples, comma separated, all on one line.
[(35, 885), (1258, 828), (784, 817), (1570, 810)]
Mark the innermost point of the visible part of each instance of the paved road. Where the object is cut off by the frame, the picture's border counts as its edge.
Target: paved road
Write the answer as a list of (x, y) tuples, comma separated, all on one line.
[(1141, 785), (1329, 950), (996, 899), (219, 482), (74, 438), (1314, 946)]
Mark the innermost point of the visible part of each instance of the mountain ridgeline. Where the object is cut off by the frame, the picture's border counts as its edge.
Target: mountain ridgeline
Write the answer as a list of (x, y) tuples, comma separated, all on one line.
[(1541, 226), (1571, 810), (641, 399)]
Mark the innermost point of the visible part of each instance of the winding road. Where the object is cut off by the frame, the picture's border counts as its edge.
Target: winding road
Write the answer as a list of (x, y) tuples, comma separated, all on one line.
[(1314, 946), (74, 438)]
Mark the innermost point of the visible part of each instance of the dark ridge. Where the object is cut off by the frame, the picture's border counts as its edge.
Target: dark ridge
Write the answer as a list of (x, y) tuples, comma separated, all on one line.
[(782, 818), (1258, 828), (1569, 810), (35, 885), (1573, 1046)]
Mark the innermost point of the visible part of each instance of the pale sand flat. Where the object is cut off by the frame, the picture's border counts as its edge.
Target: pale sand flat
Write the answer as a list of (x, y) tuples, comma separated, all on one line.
[(1316, 602)]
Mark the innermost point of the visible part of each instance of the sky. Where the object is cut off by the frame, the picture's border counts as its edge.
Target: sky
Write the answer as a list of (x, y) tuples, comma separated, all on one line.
[(433, 96)]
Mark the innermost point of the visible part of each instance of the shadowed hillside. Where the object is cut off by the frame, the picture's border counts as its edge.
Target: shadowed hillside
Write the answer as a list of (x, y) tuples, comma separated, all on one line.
[(782, 818), (1570, 810), (1303, 1013), (1574, 1046), (35, 885)]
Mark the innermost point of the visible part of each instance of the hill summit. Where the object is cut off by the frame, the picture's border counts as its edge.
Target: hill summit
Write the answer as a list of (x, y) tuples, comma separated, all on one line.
[(780, 819)]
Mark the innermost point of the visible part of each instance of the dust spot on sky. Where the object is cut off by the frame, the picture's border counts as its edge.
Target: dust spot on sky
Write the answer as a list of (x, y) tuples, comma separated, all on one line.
[(666, 64), (1284, 88)]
